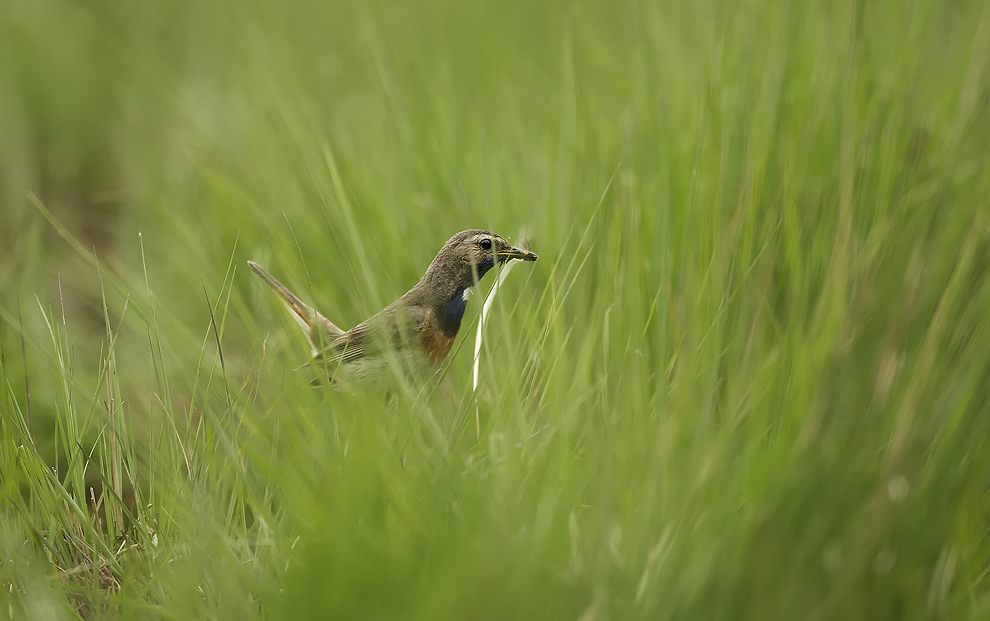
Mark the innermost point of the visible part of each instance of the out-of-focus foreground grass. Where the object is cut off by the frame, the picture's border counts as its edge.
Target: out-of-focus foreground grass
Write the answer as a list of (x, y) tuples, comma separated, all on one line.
[(748, 377)]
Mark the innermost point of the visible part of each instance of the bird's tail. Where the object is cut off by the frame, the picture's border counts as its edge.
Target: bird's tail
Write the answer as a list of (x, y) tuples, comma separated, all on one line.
[(319, 331)]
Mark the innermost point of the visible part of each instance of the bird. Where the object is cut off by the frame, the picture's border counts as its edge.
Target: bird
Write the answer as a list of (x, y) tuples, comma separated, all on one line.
[(419, 328)]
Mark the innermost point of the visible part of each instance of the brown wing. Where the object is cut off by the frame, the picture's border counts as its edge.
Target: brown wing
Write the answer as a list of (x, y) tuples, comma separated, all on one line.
[(398, 329), (349, 346)]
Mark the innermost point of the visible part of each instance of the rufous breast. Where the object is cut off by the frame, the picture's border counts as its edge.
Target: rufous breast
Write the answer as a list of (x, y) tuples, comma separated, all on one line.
[(436, 341)]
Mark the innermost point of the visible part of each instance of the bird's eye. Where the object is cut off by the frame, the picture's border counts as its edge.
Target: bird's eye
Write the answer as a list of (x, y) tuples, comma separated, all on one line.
[(486, 244)]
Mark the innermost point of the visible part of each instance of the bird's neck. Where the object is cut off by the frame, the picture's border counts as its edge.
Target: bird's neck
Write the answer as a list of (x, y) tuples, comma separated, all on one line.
[(444, 299), (442, 290)]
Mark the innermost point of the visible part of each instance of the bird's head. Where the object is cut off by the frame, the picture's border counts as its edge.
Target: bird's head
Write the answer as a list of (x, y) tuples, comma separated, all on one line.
[(469, 255)]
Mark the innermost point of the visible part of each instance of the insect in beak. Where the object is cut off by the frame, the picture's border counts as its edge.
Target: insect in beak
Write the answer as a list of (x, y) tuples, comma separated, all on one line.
[(516, 253)]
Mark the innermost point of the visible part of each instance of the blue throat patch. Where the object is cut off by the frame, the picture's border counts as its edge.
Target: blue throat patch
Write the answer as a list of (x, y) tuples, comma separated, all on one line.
[(452, 313)]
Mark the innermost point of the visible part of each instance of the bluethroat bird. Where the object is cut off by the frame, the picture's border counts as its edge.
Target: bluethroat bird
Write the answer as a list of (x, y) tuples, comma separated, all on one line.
[(420, 327)]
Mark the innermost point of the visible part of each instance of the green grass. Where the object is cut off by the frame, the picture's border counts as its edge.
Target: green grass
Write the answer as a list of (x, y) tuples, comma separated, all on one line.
[(749, 376)]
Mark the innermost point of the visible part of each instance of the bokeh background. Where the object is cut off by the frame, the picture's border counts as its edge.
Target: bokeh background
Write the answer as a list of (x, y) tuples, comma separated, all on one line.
[(748, 377)]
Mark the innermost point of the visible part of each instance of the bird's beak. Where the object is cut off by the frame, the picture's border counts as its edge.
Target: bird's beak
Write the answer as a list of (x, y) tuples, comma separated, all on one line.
[(516, 253)]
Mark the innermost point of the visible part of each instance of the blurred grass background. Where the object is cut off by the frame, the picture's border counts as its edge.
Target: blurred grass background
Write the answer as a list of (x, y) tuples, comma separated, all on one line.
[(748, 377)]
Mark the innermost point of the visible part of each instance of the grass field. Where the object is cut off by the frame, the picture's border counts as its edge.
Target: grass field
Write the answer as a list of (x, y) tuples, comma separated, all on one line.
[(749, 376)]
